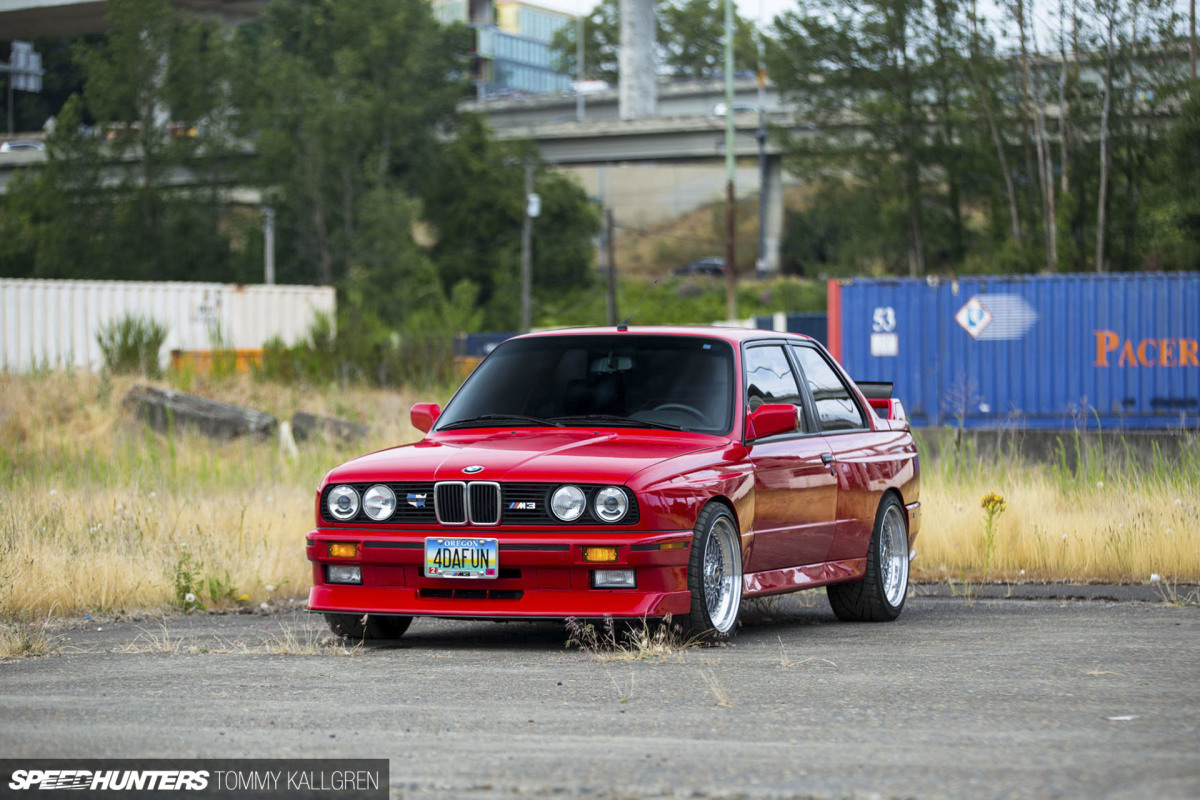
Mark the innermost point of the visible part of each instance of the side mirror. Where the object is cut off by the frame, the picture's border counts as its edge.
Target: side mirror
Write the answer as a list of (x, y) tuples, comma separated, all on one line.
[(423, 416), (771, 419)]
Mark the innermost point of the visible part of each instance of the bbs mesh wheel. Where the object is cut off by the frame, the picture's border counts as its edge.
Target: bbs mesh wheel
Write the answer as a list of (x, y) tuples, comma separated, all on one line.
[(715, 574)]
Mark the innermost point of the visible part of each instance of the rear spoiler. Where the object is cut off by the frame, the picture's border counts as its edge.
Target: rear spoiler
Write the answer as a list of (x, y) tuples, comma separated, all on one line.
[(879, 396)]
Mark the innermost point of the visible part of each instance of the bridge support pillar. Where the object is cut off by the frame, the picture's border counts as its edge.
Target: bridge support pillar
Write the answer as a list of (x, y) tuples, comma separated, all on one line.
[(772, 197), (637, 88)]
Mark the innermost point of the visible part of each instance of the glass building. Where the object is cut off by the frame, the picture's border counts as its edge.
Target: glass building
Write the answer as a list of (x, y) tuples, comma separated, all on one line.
[(512, 45)]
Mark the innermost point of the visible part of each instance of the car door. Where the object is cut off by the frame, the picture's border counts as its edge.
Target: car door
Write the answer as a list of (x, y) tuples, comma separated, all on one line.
[(859, 470), (794, 490)]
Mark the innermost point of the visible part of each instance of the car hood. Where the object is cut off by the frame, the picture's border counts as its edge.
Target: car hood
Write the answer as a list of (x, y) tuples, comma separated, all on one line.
[(591, 456)]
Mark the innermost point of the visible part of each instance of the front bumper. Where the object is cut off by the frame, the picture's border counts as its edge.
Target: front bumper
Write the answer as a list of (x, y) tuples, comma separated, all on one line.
[(542, 575)]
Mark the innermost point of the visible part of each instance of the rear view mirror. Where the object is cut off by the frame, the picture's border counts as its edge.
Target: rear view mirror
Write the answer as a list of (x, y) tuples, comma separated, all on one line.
[(423, 416), (771, 419)]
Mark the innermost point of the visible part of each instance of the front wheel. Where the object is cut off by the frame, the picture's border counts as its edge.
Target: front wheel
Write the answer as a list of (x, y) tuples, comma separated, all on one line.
[(367, 627), (879, 596), (715, 575)]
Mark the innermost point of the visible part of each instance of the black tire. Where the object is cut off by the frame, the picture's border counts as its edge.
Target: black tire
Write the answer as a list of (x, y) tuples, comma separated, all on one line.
[(714, 617), (367, 627), (879, 596)]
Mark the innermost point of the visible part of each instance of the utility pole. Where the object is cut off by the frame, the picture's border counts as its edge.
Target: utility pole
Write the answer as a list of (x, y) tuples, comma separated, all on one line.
[(610, 235), (269, 245), (763, 188), (1192, 39), (533, 207), (579, 72), (730, 209)]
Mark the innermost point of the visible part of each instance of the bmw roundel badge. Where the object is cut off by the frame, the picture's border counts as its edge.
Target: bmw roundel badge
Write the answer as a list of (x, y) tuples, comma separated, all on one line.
[(472, 469)]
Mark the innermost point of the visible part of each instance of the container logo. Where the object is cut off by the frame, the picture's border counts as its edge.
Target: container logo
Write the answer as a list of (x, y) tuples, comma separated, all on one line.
[(1114, 349), (996, 317), (974, 317)]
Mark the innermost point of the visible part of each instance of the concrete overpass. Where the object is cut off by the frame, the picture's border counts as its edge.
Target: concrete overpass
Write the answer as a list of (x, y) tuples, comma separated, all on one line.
[(658, 168), (648, 170), (121, 171), (31, 19)]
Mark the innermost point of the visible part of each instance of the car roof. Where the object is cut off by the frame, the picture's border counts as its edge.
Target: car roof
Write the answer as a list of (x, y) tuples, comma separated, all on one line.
[(732, 335)]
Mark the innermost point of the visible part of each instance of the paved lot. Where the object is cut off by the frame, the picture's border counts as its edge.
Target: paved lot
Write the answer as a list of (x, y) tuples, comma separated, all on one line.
[(960, 698)]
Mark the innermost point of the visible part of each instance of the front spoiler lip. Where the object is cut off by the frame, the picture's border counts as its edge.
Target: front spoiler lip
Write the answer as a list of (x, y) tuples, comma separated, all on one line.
[(538, 603)]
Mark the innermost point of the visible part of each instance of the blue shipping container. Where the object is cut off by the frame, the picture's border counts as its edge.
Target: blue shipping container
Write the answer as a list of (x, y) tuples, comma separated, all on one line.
[(1049, 352)]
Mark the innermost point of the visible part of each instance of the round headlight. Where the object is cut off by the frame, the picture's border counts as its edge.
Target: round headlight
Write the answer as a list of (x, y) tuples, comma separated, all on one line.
[(379, 502), (342, 502), (610, 504), (567, 503)]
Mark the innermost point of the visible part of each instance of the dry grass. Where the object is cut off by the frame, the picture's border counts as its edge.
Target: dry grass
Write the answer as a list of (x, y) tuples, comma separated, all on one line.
[(98, 513), (1121, 525), (304, 639), (716, 688), (624, 641), (652, 251), (27, 640)]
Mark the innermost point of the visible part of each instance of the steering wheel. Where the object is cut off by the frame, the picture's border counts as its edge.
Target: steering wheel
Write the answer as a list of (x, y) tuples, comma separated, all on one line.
[(685, 408)]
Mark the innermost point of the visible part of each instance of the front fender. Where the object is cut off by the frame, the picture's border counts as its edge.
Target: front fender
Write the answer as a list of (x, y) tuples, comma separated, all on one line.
[(672, 493)]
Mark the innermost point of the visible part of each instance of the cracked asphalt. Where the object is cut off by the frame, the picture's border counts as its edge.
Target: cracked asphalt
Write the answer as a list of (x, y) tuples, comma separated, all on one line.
[(1048, 696)]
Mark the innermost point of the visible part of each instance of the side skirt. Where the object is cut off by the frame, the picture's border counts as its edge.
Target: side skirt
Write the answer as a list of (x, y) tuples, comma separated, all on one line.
[(792, 579)]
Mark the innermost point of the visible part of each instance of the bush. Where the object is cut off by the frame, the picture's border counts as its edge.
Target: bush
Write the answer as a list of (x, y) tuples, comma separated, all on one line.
[(131, 344)]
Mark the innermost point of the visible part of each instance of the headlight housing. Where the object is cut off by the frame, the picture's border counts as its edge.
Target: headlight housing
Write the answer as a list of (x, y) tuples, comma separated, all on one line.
[(342, 502), (379, 502), (567, 503), (610, 504)]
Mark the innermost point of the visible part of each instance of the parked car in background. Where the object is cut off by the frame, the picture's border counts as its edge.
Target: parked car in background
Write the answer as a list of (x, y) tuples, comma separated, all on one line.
[(626, 473), (18, 145), (712, 265)]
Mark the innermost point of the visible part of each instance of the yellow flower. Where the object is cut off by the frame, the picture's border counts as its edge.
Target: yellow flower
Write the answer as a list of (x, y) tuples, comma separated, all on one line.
[(993, 503)]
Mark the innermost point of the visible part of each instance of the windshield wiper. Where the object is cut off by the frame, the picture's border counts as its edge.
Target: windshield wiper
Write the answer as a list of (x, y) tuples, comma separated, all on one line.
[(472, 421), (637, 423)]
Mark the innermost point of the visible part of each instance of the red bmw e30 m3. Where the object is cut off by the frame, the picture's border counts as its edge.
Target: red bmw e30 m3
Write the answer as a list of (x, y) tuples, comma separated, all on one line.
[(627, 472)]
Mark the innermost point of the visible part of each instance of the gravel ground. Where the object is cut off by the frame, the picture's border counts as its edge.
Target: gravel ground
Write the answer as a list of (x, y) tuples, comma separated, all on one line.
[(962, 697)]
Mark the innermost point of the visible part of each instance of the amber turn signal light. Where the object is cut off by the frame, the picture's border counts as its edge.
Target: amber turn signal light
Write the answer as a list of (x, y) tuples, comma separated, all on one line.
[(343, 550), (599, 555)]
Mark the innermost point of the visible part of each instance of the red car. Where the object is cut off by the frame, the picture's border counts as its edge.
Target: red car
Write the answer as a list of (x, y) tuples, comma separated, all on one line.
[(631, 473)]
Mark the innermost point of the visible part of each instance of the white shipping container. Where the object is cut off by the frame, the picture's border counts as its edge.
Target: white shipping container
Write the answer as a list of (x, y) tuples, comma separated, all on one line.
[(53, 324)]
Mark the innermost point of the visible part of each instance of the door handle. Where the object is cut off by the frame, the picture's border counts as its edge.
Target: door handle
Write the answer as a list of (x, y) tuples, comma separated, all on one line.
[(827, 459)]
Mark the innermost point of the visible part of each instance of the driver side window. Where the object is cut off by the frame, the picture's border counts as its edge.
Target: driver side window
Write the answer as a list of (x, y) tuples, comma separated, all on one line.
[(769, 379)]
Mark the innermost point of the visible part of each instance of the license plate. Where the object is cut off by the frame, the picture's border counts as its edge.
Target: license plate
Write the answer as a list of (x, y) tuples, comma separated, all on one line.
[(454, 557)]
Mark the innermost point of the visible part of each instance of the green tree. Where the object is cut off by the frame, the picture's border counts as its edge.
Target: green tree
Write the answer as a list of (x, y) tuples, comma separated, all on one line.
[(473, 197), (62, 77), (691, 37), (57, 223), (340, 99), (863, 66), (74, 224), (601, 44)]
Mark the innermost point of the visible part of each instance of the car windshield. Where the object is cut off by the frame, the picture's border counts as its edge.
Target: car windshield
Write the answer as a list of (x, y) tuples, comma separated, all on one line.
[(622, 380)]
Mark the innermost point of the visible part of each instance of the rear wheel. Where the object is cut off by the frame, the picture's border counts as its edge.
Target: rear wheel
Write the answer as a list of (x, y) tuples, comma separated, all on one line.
[(360, 627), (715, 575), (879, 596)]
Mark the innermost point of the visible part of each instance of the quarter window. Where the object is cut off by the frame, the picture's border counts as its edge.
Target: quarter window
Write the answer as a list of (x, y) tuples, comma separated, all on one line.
[(836, 409)]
